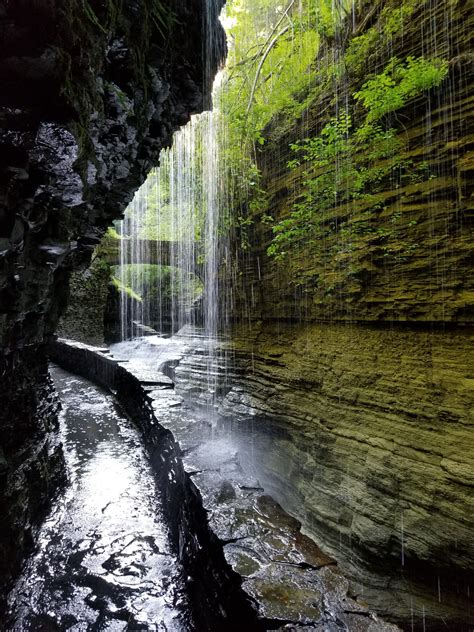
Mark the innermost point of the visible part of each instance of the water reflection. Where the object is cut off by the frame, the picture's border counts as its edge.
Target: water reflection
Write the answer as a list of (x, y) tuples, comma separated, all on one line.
[(104, 559)]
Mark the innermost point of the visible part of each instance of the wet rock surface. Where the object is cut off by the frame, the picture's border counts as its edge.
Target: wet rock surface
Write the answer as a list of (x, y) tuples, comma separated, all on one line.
[(293, 584), (213, 589), (347, 461), (91, 93), (31, 461), (104, 557), (351, 430), (363, 430), (345, 464)]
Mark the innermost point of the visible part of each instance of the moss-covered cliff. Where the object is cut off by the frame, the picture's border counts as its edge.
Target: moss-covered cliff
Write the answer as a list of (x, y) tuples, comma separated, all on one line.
[(365, 425), (375, 224)]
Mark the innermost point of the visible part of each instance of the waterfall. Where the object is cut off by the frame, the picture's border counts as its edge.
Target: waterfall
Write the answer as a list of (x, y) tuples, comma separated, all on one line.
[(173, 221), (170, 248), (133, 250)]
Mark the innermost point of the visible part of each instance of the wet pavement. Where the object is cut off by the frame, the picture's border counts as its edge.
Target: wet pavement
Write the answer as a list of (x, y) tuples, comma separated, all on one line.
[(103, 560)]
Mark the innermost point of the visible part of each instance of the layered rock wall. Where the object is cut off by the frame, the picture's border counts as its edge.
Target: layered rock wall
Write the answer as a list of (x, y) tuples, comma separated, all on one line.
[(84, 316), (401, 250), (362, 425), (366, 436)]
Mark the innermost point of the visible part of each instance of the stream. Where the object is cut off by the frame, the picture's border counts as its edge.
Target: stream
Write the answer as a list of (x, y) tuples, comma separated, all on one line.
[(104, 559)]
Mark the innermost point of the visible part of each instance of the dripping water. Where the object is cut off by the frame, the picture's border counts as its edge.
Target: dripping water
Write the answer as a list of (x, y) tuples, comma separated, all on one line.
[(170, 248)]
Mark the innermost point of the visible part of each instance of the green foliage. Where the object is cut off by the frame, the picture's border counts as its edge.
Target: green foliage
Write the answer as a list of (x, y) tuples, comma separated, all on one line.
[(272, 75), (348, 165), (395, 19), (285, 71), (112, 233), (342, 165), (157, 283), (328, 15), (270, 72), (398, 83), (126, 289), (392, 23), (156, 216), (360, 47)]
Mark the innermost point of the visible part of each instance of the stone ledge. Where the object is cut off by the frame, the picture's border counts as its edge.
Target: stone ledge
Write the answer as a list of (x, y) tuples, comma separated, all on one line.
[(291, 583)]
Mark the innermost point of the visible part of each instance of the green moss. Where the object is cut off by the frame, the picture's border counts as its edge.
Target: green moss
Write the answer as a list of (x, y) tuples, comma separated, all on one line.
[(162, 17), (347, 168), (391, 24), (126, 289), (112, 233), (394, 20), (342, 165), (360, 48)]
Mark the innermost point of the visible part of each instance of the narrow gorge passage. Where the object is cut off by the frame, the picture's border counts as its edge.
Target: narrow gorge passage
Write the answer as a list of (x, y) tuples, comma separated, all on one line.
[(104, 559), (250, 222)]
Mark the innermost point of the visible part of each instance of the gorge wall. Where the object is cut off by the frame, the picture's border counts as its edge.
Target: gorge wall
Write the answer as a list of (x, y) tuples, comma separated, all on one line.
[(353, 364), (365, 435), (91, 92), (350, 359), (400, 249)]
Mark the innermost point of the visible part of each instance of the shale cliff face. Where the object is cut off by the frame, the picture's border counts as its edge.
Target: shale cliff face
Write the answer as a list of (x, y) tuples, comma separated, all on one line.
[(365, 435), (91, 92), (362, 426)]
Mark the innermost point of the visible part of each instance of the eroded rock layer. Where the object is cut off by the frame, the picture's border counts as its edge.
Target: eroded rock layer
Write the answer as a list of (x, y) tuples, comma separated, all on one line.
[(365, 435), (365, 425)]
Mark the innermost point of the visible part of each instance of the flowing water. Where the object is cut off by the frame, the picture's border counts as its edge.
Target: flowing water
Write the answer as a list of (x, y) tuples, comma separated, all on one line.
[(103, 559), (180, 208)]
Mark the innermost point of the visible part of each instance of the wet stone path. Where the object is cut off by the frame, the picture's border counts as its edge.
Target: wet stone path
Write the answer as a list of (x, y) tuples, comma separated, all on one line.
[(103, 560)]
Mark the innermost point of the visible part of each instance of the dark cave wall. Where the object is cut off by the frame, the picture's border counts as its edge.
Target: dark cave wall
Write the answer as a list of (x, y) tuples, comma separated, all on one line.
[(31, 460), (90, 304), (90, 93), (79, 135), (88, 294)]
